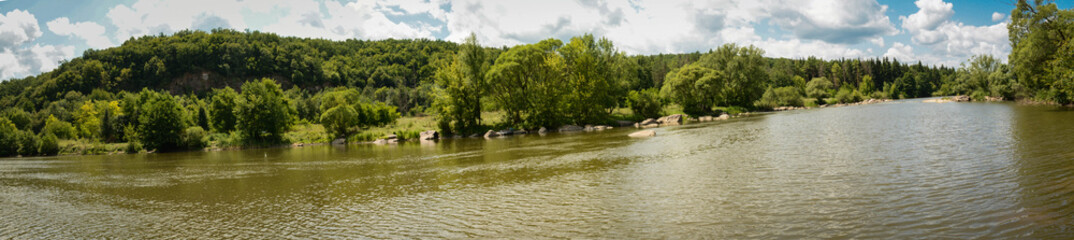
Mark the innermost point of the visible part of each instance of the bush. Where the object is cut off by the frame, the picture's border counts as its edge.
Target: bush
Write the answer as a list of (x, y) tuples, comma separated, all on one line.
[(59, 128), (20, 118), (28, 143), (193, 138), (645, 103), (133, 147), (818, 88), (9, 145), (340, 119), (49, 145), (846, 95), (784, 96)]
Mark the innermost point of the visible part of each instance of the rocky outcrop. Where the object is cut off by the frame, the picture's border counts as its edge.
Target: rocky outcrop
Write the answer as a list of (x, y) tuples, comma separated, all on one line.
[(570, 128), (339, 141), (429, 135), (704, 119), (491, 134), (542, 130), (993, 99), (648, 121), (961, 98), (723, 116), (672, 120), (643, 133)]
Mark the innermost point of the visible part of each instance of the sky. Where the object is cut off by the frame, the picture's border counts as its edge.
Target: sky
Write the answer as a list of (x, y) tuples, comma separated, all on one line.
[(36, 35)]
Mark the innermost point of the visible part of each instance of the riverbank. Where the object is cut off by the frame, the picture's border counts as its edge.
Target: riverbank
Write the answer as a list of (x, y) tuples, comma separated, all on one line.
[(407, 129)]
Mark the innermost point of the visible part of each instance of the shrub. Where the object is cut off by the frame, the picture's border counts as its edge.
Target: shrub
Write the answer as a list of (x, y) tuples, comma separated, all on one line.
[(49, 145), (222, 110), (784, 96), (193, 138), (9, 145), (645, 103), (846, 95), (59, 128), (28, 143), (818, 88)]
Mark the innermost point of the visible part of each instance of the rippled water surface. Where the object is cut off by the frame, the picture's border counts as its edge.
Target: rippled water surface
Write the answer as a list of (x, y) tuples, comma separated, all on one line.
[(895, 170)]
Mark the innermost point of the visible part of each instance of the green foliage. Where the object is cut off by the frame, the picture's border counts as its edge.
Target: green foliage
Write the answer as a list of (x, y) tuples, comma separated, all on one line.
[(28, 143), (160, 122), (133, 147), (50, 145), (591, 78), (777, 97), (193, 138), (340, 119), (819, 88), (693, 87), (982, 76), (222, 110), (1041, 44), (461, 85), (263, 112), (9, 145), (99, 120), (645, 103), (846, 95), (58, 128), (528, 84), (19, 117)]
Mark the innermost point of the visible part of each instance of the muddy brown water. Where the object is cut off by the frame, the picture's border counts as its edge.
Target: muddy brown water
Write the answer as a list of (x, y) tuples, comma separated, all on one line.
[(896, 170)]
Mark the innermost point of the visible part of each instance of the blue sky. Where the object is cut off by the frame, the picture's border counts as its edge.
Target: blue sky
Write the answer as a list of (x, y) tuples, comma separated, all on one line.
[(37, 34)]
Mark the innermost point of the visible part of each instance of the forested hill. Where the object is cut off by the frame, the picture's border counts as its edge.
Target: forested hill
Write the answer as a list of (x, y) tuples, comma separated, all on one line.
[(398, 72), (196, 61)]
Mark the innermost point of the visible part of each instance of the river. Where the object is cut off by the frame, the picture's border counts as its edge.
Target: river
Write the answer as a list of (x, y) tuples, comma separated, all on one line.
[(895, 170)]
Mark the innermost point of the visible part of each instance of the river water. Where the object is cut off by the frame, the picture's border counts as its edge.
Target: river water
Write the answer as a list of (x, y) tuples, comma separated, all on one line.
[(895, 170)]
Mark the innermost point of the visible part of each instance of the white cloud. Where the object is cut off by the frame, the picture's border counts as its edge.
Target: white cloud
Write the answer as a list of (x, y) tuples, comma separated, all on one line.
[(149, 17), (930, 14), (834, 21), (952, 41), (17, 27), (359, 19), (996, 16), (90, 32)]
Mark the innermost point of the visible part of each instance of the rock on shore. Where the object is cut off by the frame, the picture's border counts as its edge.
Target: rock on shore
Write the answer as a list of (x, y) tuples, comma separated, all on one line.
[(643, 133)]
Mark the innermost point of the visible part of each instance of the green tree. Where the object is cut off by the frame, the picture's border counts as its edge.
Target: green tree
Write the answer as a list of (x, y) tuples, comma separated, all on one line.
[(58, 128), (527, 83), (461, 85), (222, 110), (645, 103), (9, 145), (592, 78), (263, 112), (49, 145), (28, 143), (819, 88), (695, 88), (160, 122)]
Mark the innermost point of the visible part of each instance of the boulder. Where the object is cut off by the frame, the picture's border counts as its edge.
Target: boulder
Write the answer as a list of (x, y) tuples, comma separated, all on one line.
[(643, 133), (601, 127), (993, 99), (475, 135), (339, 141), (428, 135), (623, 123), (961, 98), (505, 132), (542, 130), (520, 132), (674, 119), (647, 121), (651, 125), (589, 128), (724, 116), (491, 134), (570, 128)]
